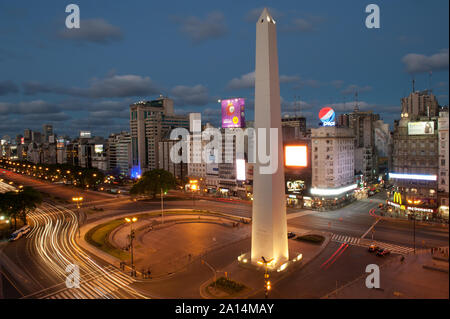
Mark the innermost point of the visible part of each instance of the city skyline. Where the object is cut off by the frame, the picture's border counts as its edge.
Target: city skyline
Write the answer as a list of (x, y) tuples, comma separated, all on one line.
[(78, 81), (286, 182)]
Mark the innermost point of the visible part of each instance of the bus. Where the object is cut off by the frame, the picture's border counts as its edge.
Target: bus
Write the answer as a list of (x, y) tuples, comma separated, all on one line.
[(20, 232)]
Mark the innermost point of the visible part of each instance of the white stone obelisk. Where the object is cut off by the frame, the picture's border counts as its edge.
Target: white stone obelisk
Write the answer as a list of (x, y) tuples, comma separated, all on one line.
[(269, 225)]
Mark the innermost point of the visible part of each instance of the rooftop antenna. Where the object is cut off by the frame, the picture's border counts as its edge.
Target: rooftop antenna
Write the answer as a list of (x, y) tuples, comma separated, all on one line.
[(356, 102), (413, 84)]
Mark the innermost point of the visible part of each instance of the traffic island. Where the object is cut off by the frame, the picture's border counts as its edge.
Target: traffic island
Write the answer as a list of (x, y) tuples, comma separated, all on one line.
[(241, 270), (163, 245), (223, 288)]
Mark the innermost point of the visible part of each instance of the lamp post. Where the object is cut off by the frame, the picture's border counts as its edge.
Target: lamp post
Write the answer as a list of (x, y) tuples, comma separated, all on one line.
[(162, 207), (267, 284), (78, 201), (131, 221)]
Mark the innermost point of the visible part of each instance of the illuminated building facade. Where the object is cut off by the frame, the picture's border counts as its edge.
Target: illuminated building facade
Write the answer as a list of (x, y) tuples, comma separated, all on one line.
[(332, 157)]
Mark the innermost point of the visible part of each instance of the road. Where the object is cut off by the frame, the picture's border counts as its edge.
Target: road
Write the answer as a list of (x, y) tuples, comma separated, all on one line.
[(42, 258), (39, 261)]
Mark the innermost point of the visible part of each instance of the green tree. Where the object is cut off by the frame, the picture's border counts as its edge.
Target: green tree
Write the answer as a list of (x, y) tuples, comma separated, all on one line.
[(152, 182), (16, 205), (29, 198)]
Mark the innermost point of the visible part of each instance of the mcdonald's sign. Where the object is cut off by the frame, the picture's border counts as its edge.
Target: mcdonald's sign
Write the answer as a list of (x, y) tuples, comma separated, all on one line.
[(397, 198)]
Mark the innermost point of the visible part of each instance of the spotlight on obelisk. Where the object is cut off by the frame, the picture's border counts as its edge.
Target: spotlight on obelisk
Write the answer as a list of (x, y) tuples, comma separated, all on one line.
[(269, 225)]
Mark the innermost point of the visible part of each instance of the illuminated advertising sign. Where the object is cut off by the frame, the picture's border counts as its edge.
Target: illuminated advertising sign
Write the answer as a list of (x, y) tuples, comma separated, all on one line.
[(420, 128), (295, 186), (332, 191), (98, 148), (327, 116), (296, 155), (233, 113), (420, 177), (85, 134), (397, 198), (22, 140), (240, 169)]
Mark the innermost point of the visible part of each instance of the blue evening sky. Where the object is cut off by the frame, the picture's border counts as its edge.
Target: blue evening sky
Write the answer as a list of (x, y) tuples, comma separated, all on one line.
[(199, 51)]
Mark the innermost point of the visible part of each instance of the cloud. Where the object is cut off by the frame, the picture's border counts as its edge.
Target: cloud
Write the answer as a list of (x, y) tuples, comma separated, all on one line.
[(28, 107), (254, 14), (337, 84), (199, 30), (303, 25), (93, 31), (8, 87), (112, 86), (190, 95), (420, 63), (289, 78), (247, 81), (353, 88)]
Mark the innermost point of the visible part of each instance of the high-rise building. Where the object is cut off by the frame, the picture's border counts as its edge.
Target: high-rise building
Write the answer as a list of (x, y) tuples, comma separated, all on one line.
[(119, 153), (36, 137), (417, 104), (363, 126), (47, 130), (293, 127), (415, 157), (333, 157), (150, 121), (443, 180), (27, 136)]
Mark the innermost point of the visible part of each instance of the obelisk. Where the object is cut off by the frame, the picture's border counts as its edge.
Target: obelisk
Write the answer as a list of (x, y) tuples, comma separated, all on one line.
[(269, 225)]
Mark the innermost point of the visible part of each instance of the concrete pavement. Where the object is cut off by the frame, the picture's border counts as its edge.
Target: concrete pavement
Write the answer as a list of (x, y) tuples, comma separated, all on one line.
[(400, 280)]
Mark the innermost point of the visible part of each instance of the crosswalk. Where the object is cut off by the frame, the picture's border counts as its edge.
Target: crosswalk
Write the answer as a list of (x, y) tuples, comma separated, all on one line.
[(100, 287), (356, 241), (346, 239)]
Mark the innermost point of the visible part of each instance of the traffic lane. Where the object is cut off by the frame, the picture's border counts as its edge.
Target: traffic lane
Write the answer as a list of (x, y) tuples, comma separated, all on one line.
[(402, 232), (58, 190), (7, 289), (332, 268)]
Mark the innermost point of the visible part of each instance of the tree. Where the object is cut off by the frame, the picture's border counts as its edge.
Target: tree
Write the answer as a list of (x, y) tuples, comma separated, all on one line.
[(9, 205), (16, 205), (152, 182), (29, 198)]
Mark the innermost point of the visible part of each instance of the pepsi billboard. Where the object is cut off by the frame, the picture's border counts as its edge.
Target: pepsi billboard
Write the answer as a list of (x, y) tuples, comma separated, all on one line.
[(233, 113), (327, 116)]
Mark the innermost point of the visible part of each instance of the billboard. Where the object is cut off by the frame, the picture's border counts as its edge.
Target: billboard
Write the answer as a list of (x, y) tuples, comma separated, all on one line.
[(420, 128), (295, 186), (233, 113), (240, 170), (85, 134), (327, 116), (296, 155), (98, 148)]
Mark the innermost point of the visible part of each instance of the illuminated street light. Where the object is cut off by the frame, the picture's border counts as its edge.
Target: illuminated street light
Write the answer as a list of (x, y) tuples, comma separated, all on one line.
[(131, 221), (79, 201)]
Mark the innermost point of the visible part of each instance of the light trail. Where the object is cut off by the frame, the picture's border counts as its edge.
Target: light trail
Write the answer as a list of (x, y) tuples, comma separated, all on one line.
[(53, 242)]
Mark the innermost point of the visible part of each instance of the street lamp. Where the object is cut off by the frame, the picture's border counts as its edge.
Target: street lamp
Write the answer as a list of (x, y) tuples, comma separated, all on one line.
[(78, 201), (162, 206), (131, 221), (267, 284)]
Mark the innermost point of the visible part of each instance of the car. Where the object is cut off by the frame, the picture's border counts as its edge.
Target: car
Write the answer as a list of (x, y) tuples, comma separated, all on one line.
[(373, 248), (290, 235), (383, 252)]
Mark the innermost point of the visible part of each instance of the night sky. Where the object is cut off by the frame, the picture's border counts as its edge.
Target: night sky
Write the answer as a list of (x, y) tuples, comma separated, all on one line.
[(197, 52)]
